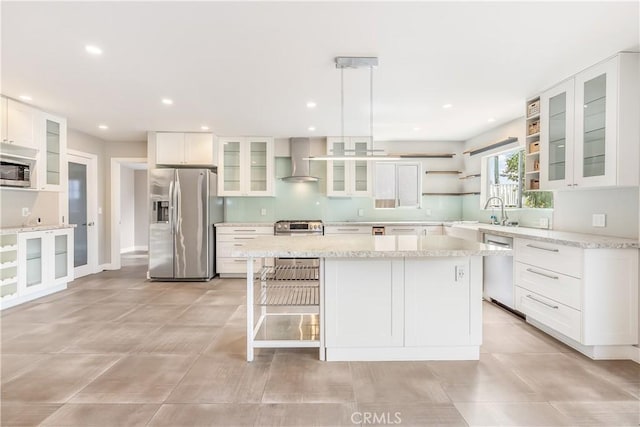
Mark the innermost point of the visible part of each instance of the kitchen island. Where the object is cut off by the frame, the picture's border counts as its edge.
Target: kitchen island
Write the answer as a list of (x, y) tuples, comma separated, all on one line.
[(370, 298)]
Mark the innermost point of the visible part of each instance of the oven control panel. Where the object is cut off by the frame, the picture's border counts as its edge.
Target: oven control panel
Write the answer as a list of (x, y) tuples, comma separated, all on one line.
[(299, 227)]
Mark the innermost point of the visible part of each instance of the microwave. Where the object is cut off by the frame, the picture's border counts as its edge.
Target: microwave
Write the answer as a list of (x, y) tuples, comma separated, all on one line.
[(14, 173)]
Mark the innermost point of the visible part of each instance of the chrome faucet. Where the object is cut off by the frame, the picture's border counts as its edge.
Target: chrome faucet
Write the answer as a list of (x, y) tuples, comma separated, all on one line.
[(503, 214)]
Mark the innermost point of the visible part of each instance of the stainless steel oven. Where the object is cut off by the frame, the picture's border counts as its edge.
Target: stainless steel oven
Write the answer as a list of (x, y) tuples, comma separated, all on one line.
[(15, 173), (297, 228)]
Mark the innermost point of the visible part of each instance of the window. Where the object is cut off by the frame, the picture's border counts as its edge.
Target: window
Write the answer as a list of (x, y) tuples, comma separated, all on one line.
[(504, 177)]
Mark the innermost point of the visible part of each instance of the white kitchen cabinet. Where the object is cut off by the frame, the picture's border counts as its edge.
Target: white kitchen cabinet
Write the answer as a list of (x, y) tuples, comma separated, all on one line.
[(462, 233), (587, 298), (349, 178), (361, 309), (246, 166), (403, 308), (556, 136), (434, 297), (52, 157), (19, 124), (400, 230), (347, 229), (8, 267), (232, 238), (397, 185), (589, 126), (179, 149), (44, 264), (432, 230)]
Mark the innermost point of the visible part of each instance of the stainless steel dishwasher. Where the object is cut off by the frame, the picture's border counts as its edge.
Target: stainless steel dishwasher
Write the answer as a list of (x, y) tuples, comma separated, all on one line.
[(498, 273)]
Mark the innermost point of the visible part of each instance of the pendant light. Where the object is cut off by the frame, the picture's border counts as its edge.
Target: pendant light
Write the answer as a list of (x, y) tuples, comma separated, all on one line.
[(354, 62)]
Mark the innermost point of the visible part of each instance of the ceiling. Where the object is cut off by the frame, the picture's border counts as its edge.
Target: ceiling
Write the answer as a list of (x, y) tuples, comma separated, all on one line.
[(250, 68)]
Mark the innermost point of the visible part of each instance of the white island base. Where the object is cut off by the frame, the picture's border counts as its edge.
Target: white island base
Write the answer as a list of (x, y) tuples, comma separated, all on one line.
[(380, 309), (373, 298)]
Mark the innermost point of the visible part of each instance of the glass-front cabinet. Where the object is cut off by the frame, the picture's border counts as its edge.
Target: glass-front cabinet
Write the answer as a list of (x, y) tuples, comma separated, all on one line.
[(45, 260), (52, 154), (258, 165), (349, 178), (246, 166), (589, 136), (556, 136), (595, 137)]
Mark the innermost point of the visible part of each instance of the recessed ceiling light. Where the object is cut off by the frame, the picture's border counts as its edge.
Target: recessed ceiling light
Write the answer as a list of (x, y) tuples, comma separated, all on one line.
[(25, 97), (447, 106), (203, 127), (311, 104), (311, 128), (491, 119), (416, 128), (103, 127), (93, 50), (167, 101)]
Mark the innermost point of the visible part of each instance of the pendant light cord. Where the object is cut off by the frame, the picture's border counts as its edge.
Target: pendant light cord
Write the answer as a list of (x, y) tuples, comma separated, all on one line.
[(342, 104), (371, 105)]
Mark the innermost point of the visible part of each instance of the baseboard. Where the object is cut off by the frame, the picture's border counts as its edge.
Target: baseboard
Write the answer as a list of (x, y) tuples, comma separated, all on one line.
[(103, 267), (141, 248), (635, 354)]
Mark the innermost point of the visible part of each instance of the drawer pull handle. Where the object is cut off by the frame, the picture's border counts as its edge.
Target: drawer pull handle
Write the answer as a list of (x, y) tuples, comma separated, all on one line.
[(543, 249), (347, 229), (555, 307), (542, 274), (240, 244), (493, 242), (243, 238), (246, 229)]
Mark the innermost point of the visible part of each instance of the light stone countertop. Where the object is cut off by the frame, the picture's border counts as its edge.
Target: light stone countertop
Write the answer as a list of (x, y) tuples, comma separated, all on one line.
[(384, 223), (11, 230), (244, 224), (364, 246), (578, 240)]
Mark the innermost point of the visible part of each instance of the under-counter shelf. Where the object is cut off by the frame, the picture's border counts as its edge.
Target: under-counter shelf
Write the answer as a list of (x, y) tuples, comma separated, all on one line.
[(294, 288), (289, 285)]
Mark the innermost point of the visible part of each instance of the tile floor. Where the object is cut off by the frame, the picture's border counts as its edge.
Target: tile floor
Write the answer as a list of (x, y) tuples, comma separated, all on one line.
[(117, 350)]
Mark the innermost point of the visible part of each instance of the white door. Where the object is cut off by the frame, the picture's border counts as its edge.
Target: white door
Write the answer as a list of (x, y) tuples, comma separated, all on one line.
[(83, 209)]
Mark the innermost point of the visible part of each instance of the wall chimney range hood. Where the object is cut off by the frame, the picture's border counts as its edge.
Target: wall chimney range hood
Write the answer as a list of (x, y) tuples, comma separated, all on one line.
[(300, 153)]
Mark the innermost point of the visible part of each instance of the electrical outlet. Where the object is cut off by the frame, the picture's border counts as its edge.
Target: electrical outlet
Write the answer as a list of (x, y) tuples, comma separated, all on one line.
[(263, 212), (25, 212), (599, 220), (360, 212), (460, 273)]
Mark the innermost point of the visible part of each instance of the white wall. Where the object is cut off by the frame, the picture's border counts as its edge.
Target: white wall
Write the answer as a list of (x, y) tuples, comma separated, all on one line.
[(41, 204), (127, 206), (574, 209), (141, 210)]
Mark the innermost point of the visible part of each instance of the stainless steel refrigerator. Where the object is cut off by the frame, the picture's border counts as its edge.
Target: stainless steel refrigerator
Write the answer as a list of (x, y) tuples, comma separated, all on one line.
[(184, 207)]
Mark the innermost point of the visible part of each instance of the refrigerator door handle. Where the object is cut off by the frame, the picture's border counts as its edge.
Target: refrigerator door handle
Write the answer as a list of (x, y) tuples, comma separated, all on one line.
[(171, 208)]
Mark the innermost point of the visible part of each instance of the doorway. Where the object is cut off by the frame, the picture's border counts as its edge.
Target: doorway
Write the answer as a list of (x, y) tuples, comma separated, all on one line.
[(83, 210), (129, 216)]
